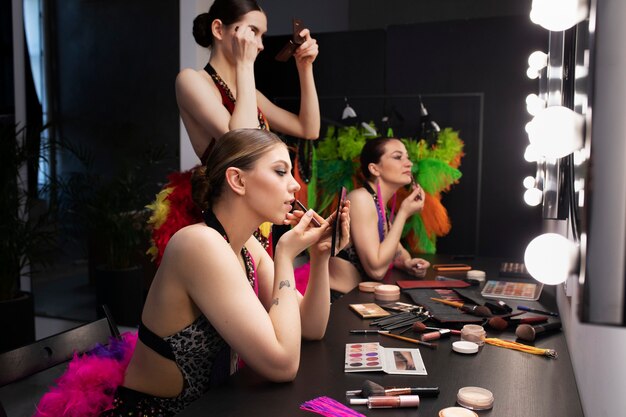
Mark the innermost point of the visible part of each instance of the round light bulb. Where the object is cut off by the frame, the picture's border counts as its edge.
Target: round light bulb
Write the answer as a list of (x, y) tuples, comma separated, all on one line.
[(558, 15), (538, 60), (550, 258), (533, 197), (532, 73), (534, 104), (531, 154), (556, 131), (529, 182)]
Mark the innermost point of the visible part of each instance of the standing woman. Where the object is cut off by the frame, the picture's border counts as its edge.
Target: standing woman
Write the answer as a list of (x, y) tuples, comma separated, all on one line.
[(217, 290), (375, 239), (223, 95)]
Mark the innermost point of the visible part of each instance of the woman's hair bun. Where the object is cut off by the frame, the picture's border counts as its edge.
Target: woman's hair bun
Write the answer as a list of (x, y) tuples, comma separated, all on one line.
[(202, 30), (200, 188)]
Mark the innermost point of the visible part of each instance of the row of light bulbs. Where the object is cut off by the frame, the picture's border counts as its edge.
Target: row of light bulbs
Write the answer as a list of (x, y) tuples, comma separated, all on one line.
[(553, 132)]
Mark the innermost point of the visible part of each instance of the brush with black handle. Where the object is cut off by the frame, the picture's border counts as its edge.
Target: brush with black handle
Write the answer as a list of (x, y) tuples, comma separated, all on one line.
[(371, 388)]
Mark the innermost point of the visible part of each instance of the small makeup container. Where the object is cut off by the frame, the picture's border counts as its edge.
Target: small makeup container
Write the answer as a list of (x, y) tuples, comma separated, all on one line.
[(368, 286), (476, 275), (456, 412), (387, 293), (388, 401), (465, 347), (475, 398), (473, 333)]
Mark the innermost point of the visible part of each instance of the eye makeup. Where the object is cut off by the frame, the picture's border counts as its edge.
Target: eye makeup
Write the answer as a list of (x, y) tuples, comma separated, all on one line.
[(304, 209)]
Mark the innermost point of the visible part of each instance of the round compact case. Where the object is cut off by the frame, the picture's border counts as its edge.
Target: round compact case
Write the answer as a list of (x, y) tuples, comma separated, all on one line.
[(387, 292), (368, 286), (475, 398)]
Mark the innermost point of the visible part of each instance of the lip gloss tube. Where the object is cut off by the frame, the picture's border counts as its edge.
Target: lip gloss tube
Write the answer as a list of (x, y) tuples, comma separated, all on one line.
[(437, 334), (380, 401)]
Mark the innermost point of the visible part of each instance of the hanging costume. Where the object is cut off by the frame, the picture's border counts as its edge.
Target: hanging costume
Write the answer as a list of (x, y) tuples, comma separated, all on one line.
[(174, 207)]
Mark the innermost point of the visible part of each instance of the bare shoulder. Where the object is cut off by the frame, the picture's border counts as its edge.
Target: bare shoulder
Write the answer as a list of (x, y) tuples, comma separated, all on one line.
[(193, 242), (359, 197)]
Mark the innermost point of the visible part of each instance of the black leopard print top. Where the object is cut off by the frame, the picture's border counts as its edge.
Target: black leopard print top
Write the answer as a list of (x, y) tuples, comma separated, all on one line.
[(202, 355)]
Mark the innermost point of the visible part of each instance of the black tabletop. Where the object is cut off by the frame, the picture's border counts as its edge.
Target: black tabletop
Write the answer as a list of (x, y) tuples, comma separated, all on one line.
[(523, 384)]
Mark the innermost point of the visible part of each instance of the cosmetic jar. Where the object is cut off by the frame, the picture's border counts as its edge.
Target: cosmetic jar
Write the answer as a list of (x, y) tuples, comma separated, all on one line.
[(475, 398), (473, 333), (476, 275), (368, 286), (387, 292), (456, 412), (462, 346)]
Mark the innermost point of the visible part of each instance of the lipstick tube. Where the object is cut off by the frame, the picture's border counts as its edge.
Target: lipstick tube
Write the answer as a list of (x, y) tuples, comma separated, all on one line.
[(380, 401)]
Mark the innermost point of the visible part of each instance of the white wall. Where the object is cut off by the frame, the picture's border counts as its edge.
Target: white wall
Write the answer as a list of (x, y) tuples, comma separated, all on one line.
[(599, 352), (191, 56)]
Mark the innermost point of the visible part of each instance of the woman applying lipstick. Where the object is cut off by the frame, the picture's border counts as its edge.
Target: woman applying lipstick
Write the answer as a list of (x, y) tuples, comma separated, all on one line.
[(375, 238), (218, 292)]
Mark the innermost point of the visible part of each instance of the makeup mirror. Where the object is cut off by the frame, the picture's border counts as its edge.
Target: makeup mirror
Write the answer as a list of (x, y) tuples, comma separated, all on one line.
[(336, 237), (601, 179)]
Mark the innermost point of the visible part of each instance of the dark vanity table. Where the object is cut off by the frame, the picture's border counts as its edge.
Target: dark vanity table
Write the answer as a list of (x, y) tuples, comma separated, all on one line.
[(523, 385)]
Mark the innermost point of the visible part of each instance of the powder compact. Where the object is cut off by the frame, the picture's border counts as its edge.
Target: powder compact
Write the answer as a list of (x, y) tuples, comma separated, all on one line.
[(387, 292), (368, 286), (456, 412), (475, 398)]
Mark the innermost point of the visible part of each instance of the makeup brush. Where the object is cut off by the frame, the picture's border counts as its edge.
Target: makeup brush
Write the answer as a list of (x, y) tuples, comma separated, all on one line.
[(529, 333), (408, 339), (371, 388), (500, 323), (304, 209), (421, 327), (475, 310)]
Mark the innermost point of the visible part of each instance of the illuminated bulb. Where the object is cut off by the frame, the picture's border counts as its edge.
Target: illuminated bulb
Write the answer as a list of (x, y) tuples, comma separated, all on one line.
[(534, 104), (532, 73), (538, 60), (558, 15), (533, 197), (529, 182), (531, 154), (550, 258), (556, 131)]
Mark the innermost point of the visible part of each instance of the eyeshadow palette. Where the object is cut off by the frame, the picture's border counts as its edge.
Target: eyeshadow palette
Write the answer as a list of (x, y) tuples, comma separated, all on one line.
[(371, 356), (362, 357)]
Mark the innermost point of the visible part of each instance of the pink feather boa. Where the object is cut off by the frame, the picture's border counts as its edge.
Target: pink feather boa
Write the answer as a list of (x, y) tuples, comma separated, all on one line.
[(87, 387)]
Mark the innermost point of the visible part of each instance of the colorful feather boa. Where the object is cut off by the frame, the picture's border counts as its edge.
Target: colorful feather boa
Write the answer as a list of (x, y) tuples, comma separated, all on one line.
[(88, 385), (435, 167)]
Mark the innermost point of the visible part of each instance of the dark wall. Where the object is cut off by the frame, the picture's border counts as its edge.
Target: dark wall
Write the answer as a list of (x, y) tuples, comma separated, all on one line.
[(471, 75), (117, 62), (7, 102)]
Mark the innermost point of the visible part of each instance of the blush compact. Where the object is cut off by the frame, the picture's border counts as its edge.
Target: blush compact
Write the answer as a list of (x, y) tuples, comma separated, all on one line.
[(387, 292)]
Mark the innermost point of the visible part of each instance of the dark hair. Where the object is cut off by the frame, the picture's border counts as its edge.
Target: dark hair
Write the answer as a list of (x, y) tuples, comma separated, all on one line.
[(228, 11), (372, 151), (239, 148)]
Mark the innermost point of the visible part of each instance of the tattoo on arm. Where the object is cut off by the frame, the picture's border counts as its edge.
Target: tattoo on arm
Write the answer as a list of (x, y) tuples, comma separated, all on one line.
[(284, 283), (275, 301)]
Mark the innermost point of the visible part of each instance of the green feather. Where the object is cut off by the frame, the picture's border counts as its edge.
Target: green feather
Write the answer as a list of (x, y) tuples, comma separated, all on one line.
[(434, 175)]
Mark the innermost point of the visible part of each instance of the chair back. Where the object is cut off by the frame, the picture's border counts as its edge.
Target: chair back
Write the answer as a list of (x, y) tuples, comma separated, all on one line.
[(46, 353)]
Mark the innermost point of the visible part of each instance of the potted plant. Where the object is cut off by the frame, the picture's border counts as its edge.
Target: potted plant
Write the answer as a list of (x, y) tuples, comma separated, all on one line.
[(28, 238), (111, 213)]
